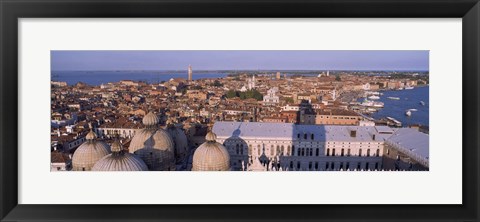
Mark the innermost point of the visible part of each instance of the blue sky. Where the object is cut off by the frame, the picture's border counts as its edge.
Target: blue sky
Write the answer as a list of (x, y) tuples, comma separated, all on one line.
[(241, 60)]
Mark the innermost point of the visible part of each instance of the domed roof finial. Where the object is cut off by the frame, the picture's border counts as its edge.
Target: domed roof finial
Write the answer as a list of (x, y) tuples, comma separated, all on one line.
[(116, 146), (211, 137), (91, 135), (150, 119)]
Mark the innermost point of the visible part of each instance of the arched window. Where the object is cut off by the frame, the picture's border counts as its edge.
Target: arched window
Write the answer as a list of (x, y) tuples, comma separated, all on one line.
[(305, 136), (359, 152), (258, 150), (237, 148), (288, 150), (303, 151), (328, 152), (332, 166), (366, 166), (311, 152), (358, 166), (278, 150), (326, 166), (348, 166), (272, 151), (283, 150), (378, 152), (299, 152), (333, 152), (298, 136), (291, 165), (368, 152), (341, 166), (316, 165), (312, 136), (376, 166), (348, 152), (298, 165), (317, 152), (341, 154)]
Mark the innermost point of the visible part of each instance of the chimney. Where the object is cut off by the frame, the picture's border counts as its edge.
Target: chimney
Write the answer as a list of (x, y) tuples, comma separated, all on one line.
[(353, 133)]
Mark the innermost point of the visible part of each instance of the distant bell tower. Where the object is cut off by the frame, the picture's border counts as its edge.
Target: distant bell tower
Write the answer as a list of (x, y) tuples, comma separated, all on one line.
[(189, 72)]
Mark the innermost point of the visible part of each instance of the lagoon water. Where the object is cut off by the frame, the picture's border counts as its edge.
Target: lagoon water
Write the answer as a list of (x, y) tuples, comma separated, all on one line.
[(96, 78), (409, 99)]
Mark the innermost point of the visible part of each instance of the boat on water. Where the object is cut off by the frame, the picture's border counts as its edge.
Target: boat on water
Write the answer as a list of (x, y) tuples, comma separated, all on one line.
[(422, 103), (408, 113), (394, 98), (374, 104), (374, 97), (409, 87), (372, 93), (413, 110), (394, 121)]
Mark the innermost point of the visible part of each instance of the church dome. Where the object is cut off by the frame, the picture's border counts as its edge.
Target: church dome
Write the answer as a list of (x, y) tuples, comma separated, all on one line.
[(158, 153), (180, 142), (150, 119), (89, 153), (211, 156), (119, 160)]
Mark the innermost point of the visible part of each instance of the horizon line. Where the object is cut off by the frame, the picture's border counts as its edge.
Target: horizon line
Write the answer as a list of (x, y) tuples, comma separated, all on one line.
[(203, 70)]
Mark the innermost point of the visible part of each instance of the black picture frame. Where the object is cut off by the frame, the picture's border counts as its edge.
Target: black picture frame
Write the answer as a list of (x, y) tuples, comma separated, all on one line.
[(11, 11)]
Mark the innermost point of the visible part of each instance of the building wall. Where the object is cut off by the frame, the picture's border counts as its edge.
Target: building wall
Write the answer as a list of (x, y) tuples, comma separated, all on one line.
[(337, 120), (111, 132), (306, 154), (60, 167)]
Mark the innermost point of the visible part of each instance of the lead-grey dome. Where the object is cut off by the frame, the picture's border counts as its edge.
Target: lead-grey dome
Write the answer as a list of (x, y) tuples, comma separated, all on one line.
[(119, 160), (211, 156), (89, 153), (180, 142), (158, 153)]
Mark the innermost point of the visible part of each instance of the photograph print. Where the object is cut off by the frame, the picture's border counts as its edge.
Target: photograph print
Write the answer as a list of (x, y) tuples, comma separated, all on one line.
[(240, 110)]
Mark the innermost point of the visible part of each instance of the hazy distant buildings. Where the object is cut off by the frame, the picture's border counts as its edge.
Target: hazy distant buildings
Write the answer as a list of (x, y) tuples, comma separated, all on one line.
[(278, 75), (58, 83)]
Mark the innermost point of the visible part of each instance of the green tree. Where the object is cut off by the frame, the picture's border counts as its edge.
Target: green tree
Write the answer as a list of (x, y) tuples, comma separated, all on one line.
[(231, 93), (337, 78), (289, 100)]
